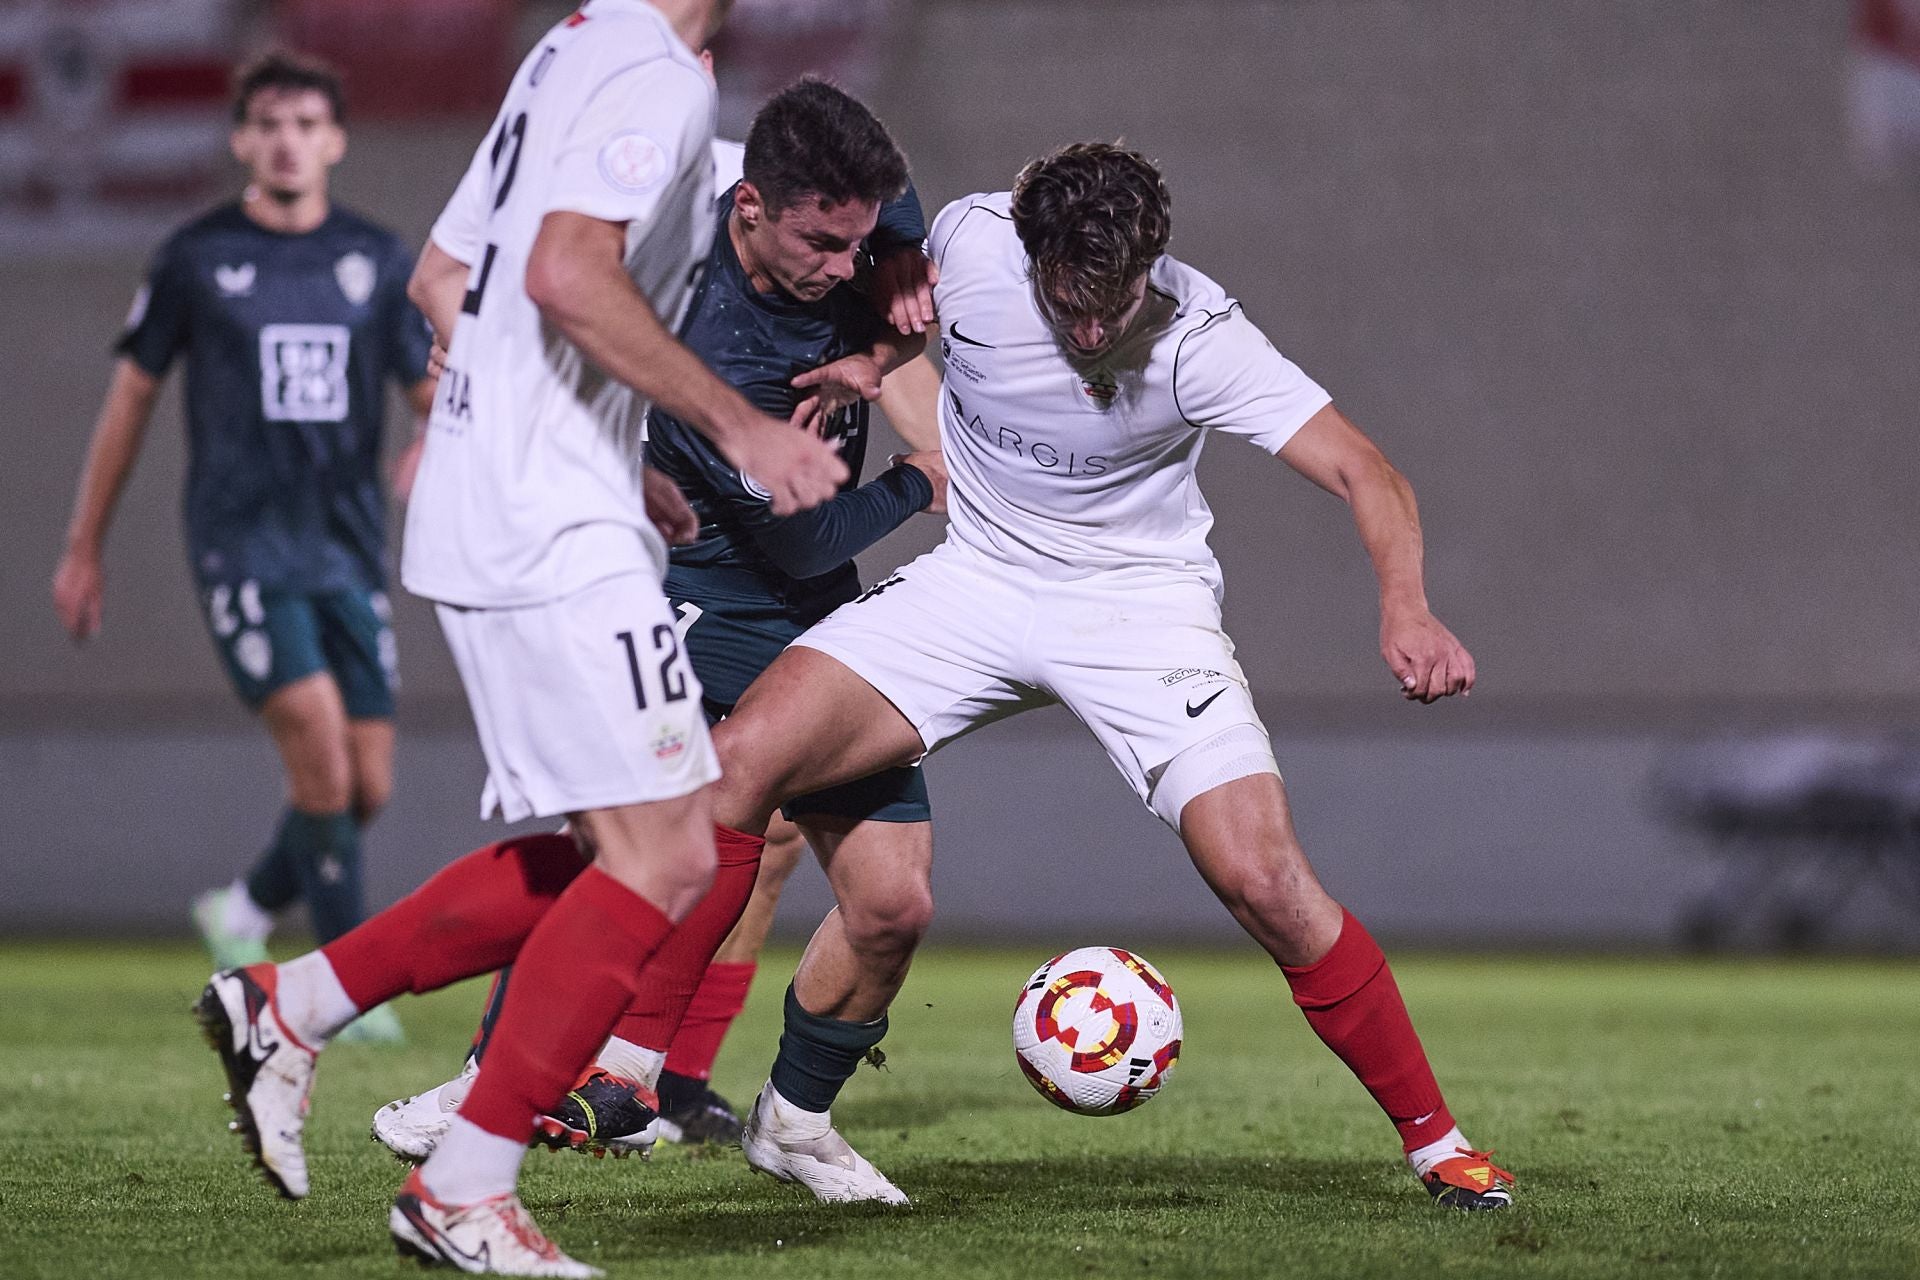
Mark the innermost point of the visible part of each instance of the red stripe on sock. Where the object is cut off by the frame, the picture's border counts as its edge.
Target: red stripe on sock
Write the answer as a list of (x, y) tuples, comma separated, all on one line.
[(574, 974), (1354, 1005), (718, 1000), (468, 919), (667, 990)]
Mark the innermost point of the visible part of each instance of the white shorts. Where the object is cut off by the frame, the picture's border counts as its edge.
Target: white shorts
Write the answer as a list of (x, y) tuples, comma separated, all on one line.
[(585, 702), (956, 641)]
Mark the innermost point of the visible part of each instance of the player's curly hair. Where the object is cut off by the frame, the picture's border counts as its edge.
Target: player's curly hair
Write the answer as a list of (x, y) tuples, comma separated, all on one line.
[(284, 70), (1093, 216), (813, 139)]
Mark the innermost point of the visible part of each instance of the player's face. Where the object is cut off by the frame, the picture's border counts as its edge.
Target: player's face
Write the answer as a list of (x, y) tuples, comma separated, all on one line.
[(1089, 336), (809, 248), (288, 141)]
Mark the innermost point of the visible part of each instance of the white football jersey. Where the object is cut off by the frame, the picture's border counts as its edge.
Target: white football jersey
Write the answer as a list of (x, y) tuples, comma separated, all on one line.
[(529, 487), (1068, 468)]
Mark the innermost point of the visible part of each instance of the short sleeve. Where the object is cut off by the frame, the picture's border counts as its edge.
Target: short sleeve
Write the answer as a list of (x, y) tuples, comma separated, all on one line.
[(1228, 377), (461, 228), (156, 325), (902, 224), (944, 225), (630, 139), (409, 337)]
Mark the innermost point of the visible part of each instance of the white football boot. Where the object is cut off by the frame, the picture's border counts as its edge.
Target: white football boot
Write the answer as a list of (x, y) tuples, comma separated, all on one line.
[(495, 1236), (412, 1127), (795, 1145), (269, 1072)]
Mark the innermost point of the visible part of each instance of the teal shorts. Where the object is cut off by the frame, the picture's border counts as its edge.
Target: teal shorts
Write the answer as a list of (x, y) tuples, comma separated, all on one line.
[(269, 638)]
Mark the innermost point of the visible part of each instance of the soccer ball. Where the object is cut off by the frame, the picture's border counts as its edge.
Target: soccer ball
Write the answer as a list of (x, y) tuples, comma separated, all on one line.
[(1097, 1031)]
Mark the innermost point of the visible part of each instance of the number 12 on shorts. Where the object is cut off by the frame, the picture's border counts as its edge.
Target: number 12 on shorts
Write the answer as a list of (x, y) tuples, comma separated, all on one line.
[(673, 683)]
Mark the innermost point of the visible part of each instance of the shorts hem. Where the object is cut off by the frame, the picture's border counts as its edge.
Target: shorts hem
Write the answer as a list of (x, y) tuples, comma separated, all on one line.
[(851, 663)]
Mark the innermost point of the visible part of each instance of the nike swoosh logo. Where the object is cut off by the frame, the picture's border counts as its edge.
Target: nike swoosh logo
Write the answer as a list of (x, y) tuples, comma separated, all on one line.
[(1194, 711), (953, 331)]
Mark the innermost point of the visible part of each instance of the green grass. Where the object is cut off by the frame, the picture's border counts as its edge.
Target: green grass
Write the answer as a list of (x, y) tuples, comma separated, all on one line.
[(1665, 1119)]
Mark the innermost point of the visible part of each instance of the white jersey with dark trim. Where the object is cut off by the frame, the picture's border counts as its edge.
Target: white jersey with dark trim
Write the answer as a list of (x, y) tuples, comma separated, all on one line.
[(1068, 468), (529, 488)]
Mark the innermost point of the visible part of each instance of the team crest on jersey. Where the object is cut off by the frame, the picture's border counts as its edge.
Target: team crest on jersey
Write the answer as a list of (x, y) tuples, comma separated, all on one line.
[(235, 282), (355, 275), (633, 163), (668, 743), (755, 488), (1098, 389)]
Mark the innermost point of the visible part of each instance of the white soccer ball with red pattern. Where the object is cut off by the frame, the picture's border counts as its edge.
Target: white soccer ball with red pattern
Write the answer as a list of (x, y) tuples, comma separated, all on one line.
[(1097, 1031)]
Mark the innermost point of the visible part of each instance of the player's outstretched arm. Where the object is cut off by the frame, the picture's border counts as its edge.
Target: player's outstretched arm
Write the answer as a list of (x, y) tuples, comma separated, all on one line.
[(833, 386), (79, 581), (575, 275), (1428, 659)]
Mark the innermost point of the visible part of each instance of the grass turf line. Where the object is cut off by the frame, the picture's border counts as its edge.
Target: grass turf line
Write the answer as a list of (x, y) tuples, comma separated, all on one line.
[(1739, 1119)]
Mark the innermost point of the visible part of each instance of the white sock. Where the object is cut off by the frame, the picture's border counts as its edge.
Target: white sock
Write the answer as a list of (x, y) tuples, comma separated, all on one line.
[(1449, 1146), (311, 1002), (634, 1061), (471, 1164), (242, 917), (794, 1120)]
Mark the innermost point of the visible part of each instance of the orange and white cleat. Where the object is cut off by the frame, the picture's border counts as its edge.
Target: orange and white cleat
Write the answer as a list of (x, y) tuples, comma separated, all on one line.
[(495, 1236), (1469, 1180)]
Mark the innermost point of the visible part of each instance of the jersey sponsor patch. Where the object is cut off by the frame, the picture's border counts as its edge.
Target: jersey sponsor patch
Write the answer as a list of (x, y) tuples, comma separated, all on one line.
[(633, 163), (356, 276), (303, 372)]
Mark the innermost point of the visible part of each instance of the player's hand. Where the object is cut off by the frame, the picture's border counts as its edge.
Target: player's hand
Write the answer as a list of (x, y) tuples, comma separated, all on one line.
[(834, 386), (932, 465), (78, 584), (1429, 660), (796, 470), (436, 360), (902, 288), (668, 508)]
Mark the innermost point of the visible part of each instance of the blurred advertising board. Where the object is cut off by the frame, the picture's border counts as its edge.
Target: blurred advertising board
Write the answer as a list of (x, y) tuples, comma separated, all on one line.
[(113, 118)]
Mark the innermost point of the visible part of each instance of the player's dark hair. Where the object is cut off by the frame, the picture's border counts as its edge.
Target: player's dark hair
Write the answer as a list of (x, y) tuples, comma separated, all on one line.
[(1093, 217), (284, 71), (811, 139)]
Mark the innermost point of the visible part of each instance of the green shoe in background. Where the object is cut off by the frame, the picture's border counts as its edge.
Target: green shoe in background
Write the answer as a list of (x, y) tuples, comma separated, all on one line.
[(379, 1025), (229, 950)]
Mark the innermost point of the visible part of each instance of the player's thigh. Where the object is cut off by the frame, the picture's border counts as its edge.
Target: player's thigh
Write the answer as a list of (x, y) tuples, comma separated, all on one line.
[(308, 724), (582, 703), (808, 722), (357, 640)]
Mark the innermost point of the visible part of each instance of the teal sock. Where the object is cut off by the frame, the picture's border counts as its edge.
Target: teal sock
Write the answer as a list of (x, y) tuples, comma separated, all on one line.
[(325, 848), (274, 882), (819, 1055)]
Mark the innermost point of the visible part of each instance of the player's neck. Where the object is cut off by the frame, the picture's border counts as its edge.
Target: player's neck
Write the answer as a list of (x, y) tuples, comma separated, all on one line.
[(757, 277), (293, 217)]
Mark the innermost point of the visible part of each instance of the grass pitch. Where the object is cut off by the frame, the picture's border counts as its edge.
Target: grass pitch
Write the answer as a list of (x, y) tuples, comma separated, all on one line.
[(1738, 1119)]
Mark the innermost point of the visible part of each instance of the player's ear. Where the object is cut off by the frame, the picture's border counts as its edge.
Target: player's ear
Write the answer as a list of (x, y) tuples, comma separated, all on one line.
[(237, 144), (336, 145), (747, 203)]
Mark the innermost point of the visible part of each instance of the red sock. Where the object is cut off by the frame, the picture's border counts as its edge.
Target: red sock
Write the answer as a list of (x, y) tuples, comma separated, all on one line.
[(573, 976), (721, 996), (468, 919), (666, 990), (1354, 1005)]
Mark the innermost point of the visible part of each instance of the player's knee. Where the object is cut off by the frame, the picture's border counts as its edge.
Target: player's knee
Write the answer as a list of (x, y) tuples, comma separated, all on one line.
[(890, 925), (322, 785), (371, 792)]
